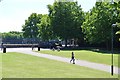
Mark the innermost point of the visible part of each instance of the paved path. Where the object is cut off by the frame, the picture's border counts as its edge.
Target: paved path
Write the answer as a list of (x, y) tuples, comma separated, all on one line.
[(84, 63)]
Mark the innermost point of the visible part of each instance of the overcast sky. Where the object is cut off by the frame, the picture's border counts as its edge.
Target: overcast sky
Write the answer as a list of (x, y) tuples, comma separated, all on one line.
[(14, 12)]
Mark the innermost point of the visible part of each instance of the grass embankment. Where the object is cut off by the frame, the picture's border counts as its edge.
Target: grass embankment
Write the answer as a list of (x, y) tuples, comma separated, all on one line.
[(17, 65), (96, 57)]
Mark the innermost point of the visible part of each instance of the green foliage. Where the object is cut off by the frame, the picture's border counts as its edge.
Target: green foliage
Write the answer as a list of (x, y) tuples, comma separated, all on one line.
[(0, 35), (45, 32), (30, 28), (97, 26), (66, 19), (118, 12), (12, 35), (118, 25), (0, 65), (118, 32)]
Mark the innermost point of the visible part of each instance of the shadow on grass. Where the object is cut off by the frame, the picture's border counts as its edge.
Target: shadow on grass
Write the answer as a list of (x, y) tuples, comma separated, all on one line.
[(98, 50)]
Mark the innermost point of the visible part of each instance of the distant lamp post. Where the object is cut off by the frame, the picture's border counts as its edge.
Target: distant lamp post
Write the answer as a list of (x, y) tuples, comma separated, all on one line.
[(113, 25)]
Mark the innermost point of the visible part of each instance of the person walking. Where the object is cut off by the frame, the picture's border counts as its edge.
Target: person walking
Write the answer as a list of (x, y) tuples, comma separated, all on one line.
[(32, 47), (72, 58)]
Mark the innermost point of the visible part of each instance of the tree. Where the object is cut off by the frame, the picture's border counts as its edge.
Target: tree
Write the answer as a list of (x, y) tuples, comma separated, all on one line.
[(30, 28), (45, 32), (66, 20), (97, 26), (118, 21)]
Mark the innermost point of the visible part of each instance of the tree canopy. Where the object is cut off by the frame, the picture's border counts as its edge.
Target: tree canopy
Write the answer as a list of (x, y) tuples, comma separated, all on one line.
[(45, 32), (66, 19), (30, 28), (98, 23), (12, 37)]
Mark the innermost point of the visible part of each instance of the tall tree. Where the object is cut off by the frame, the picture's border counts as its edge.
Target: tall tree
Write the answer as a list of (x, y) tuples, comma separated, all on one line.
[(98, 23), (66, 19), (30, 28)]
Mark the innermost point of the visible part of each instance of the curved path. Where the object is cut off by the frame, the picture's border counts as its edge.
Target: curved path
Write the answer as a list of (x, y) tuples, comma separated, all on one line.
[(97, 66)]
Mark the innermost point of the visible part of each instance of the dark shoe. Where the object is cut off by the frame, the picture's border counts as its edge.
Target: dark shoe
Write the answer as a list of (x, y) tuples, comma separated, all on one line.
[(74, 63)]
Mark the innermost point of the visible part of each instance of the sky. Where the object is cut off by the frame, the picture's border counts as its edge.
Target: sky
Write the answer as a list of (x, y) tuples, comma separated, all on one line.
[(13, 13)]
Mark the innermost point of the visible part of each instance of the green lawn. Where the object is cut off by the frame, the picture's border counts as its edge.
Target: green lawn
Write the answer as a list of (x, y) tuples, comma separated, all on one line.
[(0, 65), (16, 65), (96, 57)]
